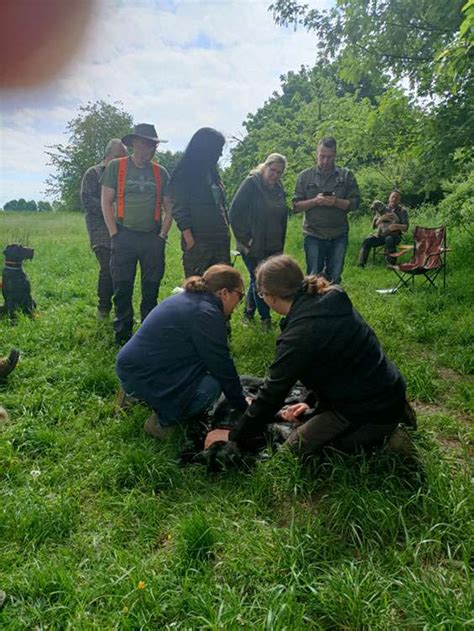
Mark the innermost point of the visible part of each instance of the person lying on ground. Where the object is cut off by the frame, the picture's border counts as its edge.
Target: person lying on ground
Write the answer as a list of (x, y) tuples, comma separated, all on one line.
[(179, 360), (327, 346)]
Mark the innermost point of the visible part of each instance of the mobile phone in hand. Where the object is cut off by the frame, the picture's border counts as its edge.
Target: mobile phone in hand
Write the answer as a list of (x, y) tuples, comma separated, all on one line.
[(328, 193)]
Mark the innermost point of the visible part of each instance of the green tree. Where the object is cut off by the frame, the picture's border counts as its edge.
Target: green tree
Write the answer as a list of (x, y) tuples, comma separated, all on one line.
[(11, 205), (400, 37), (378, 135), (456, 61), (44, 207), (88, 133), (430, 44), (168, 159)]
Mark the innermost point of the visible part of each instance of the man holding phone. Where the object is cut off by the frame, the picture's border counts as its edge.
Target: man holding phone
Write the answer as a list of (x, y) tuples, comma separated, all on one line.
[(326, 193)]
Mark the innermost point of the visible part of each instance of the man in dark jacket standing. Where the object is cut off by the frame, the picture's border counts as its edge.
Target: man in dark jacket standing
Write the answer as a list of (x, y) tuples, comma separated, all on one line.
[(133, 198), (326, 193), (98, 233)]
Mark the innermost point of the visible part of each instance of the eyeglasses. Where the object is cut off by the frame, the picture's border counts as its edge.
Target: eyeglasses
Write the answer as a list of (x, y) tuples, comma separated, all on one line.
[(237, 291)]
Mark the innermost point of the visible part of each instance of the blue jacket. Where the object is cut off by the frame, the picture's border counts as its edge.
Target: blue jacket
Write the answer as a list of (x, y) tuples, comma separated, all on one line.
[(181, 340)]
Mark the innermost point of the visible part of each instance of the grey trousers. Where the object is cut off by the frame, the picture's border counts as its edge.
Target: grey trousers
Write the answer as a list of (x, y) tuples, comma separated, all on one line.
[(331, 429)]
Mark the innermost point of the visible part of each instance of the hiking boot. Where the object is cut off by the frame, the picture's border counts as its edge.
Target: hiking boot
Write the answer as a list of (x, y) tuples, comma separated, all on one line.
[(153, 428), (399, 442), (267, 325), (7, 364)]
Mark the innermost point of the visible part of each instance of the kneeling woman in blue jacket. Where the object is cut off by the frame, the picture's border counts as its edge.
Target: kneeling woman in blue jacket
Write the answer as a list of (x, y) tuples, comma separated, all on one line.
[(328, 346), (179, 361)]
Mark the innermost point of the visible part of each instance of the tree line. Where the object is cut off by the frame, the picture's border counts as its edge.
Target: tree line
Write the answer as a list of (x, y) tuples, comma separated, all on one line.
[(32, 205)]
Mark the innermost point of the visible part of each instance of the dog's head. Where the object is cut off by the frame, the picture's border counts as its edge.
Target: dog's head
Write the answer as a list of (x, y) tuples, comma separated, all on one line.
[(378, 207), (17, 253)]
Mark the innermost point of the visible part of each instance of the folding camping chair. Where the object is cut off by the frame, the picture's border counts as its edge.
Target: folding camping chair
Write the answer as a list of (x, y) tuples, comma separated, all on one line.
[(428, 259)]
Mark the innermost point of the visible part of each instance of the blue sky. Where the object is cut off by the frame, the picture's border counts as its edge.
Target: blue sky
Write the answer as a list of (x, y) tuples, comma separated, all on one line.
[(179, 64)]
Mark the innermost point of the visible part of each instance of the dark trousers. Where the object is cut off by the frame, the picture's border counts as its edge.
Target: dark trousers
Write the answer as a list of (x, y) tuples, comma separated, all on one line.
[(253, 301), (104, 282), (202, 255), (390, 241), (130, 247), (331, 429)]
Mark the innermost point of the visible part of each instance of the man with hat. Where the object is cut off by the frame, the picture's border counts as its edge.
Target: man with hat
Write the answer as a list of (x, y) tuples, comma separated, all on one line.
[(98, 233), (133, 200)]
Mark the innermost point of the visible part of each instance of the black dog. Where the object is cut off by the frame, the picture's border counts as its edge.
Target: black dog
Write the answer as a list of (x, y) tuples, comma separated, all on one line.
[(16, 288), (222, 455)]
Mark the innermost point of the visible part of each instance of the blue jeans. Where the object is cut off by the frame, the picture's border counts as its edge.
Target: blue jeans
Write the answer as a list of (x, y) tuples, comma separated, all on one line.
[(253, 301), (326, 256), (206, 394)]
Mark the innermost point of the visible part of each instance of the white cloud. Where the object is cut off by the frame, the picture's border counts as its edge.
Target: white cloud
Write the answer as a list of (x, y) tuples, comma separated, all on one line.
[(150, 59)]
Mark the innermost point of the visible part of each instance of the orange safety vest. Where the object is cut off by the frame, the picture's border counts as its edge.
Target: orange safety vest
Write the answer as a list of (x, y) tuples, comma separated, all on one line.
[(122, 173)]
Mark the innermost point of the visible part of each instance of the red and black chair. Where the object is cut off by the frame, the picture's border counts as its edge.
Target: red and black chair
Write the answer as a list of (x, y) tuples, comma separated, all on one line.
[(428, 259)]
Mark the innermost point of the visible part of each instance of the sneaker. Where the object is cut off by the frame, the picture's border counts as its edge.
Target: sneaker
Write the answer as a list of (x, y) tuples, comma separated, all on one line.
[(153, 428), (267, 325)]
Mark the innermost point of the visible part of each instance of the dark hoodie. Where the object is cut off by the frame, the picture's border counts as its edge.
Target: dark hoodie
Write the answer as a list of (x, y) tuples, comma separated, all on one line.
[(328, 346)]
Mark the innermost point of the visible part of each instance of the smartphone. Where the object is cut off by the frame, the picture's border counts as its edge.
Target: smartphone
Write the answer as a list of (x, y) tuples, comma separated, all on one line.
[(328, 193)]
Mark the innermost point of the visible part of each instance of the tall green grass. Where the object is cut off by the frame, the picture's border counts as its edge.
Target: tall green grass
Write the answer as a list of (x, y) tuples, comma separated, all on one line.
[(101, 529)]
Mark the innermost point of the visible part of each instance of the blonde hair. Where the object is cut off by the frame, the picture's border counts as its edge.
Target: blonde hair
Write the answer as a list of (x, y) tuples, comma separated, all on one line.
[(273, 158), (214, 278), (281, 276)]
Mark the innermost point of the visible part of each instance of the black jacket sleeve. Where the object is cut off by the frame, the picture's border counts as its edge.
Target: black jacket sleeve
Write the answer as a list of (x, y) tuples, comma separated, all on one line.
[(290, 364), (240, 213), (180, 207), (209, 336)]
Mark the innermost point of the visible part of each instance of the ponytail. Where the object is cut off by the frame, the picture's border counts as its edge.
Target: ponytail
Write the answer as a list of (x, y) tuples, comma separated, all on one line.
[(215, 278), (281, 276), (194, 284), (316, 285)]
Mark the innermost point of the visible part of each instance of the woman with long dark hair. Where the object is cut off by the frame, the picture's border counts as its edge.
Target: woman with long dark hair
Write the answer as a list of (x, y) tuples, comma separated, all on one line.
[(179, 361), (327, 345), (199, 205)]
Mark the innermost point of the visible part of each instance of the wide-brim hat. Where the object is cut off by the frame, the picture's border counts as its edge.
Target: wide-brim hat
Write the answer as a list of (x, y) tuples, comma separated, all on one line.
[(142, 130)]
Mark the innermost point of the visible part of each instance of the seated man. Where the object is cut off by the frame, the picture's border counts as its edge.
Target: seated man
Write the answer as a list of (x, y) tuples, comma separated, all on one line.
[(391, 221)]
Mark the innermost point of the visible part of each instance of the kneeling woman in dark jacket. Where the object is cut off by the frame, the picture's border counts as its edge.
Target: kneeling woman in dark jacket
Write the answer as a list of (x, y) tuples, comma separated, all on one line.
[(327, 346), (179, 361)]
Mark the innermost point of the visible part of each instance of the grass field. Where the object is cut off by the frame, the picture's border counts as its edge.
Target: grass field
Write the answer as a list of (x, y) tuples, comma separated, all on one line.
[(101, 529)]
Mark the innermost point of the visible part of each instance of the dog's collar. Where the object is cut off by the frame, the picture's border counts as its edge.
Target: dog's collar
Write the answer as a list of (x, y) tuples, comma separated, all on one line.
[(12, 265)]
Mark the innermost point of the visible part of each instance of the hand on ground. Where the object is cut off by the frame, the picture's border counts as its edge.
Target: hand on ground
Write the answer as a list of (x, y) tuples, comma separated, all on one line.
[(215, 436)]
